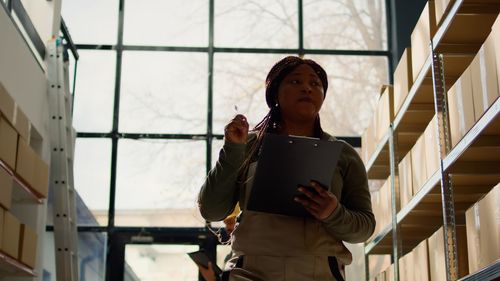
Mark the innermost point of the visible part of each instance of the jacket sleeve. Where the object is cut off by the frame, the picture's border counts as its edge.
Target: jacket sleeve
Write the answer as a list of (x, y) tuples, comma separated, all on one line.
[(353, 220), (219, 193)]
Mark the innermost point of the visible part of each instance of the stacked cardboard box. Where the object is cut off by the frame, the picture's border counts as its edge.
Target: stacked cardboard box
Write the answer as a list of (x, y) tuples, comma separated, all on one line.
[(437, 255), (405, 180), (421, 37), (379, 125), (483, 231), (10, 237), (27, 246), (381, 205), (403, 80)]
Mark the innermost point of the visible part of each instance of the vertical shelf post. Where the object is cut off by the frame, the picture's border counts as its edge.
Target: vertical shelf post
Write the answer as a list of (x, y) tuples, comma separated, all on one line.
[(447, 201), (395, 200)]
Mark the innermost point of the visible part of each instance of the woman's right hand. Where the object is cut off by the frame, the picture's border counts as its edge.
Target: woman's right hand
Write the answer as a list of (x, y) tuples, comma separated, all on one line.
[(237, 130)]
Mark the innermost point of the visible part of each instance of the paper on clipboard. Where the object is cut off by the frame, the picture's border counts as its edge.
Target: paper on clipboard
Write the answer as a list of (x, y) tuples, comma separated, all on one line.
[(286, 162)]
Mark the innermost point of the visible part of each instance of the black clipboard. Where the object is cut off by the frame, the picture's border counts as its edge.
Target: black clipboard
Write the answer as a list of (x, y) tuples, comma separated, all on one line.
[(285, 162), (201, 258)]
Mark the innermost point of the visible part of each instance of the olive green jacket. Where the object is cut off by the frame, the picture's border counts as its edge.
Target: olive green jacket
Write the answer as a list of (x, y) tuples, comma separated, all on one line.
[(352, 221)]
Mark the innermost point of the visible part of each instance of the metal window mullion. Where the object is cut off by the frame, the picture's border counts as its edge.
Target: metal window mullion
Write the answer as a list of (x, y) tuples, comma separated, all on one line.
[(210, 97), (447, 200), (300, 15), (114, 142)]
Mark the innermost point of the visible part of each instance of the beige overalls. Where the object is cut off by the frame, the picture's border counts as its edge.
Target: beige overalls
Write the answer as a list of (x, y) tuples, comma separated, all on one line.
[(276, 247)]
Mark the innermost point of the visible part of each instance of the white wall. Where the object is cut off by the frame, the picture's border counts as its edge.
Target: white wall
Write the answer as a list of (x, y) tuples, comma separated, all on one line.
[(42, 14)]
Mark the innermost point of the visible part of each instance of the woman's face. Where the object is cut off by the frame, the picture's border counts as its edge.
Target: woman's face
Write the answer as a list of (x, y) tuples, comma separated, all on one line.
[(300, 95)]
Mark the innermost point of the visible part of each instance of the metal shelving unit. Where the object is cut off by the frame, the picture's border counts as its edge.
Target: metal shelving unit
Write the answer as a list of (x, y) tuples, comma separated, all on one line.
[(13, 268), (467, 171)]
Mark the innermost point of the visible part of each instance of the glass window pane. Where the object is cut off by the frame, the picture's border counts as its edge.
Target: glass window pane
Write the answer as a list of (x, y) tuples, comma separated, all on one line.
[(91, 21), (216, 147), (92, 255), (158, 182), (164, 92), (353, 88), (166, 23), (353, 24), (239, 82), (161, 262), (94, 92), (256, 24), (92, 172)]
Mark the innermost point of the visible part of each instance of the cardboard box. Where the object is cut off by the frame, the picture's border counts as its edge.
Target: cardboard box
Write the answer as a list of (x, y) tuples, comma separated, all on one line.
[(418, 164), (421, 38), (432, 147), (368, 142), (28, 246), (436, 256), (381, 205), (440, 7), (32, 169), (403, 79), (484, 78), (421, 262), (7, 104), (377, 264), (461, 107), (437, 263), (8, 143), (483, 231), (22, 124), (385, 111), (407, 267), (389, 273), (41, 178), (495, 35), (405, 180), (25, 166), (6, 182), (11, 232)]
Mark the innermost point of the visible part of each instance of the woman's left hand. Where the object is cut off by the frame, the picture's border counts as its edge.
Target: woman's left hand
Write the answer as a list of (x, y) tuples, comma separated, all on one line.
[(317, 200)]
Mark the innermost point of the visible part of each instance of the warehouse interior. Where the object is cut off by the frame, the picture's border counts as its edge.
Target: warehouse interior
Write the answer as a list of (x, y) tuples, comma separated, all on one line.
[(113, 112)]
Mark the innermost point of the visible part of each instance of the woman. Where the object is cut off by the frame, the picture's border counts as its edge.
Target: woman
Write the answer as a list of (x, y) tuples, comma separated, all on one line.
[(275, 247)]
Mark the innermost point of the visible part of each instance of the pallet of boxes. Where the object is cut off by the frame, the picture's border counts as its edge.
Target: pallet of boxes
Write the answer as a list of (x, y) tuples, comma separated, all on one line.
[(23, 181)]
